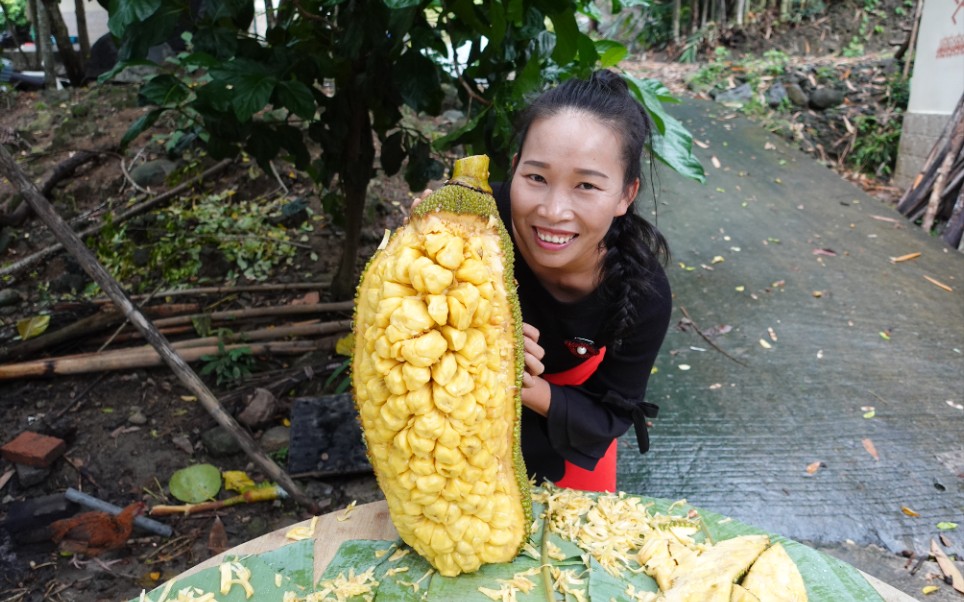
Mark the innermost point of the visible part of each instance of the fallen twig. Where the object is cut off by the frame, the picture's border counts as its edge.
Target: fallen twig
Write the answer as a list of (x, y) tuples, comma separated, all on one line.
[(259, 494), (707, 339)]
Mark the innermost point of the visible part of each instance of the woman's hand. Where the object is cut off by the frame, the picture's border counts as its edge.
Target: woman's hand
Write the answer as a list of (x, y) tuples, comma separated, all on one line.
[(535, 389)]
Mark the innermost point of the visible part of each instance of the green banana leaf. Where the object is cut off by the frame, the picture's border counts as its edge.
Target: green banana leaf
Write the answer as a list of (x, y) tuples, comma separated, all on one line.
[(406, 577)]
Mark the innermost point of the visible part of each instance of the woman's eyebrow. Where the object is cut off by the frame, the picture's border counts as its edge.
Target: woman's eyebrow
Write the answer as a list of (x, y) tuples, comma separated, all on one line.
[(580, 171)]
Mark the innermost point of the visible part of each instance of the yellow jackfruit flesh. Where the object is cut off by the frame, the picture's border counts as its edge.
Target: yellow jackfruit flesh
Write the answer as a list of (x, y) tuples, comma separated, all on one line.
[(437, 370)]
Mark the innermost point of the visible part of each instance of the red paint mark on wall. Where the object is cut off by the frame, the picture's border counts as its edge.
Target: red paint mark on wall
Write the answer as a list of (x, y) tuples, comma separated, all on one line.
[(950, 46)]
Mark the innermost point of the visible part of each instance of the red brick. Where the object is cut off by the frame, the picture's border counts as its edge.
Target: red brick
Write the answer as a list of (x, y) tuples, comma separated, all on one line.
[(33, 449)]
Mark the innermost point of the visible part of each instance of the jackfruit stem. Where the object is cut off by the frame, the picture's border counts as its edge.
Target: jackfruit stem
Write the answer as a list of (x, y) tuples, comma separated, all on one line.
[(472, 172)]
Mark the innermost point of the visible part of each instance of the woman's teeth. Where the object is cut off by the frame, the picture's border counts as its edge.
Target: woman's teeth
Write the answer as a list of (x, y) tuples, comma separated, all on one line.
[(556, 239)]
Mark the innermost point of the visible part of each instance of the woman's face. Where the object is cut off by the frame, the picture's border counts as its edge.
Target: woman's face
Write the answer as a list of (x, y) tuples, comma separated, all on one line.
[(566, 189)]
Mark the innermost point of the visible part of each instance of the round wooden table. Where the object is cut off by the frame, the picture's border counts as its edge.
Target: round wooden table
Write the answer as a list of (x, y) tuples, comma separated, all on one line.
[(371, 521)]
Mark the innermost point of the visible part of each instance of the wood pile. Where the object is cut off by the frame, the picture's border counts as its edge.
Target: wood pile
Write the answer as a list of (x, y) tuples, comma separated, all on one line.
[(938, 190)]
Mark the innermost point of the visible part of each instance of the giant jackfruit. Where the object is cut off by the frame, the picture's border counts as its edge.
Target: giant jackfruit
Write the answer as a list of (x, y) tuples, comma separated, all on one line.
[(437, 370)]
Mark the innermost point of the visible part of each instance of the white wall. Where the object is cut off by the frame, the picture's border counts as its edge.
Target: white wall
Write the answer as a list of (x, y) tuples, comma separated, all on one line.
[(96, 18), (938, 79)]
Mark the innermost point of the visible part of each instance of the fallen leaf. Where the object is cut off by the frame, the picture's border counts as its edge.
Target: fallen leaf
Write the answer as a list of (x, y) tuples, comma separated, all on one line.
[(814, 467), (6, 477), (718, 259), (217, 537), (947, 567), (715, 161), (188, 398), (945, 540), (946, 526), (713, 387), (827, 252), (769, 146), (869, 446), (740, 288), (817, 294), (909, 512), (765, 344), (903, 258), (885, 335), (870, 413), (123, 430), (718, 330), (29, 328), (773, 334), (939, 284), (312, 298), (237, 480), (183, 443), (700, 143), (684, 367), (929, 589)]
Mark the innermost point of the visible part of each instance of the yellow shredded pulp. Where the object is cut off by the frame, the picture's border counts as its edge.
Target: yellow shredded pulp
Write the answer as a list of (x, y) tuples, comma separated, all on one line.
[(348, 510), (612, 528), (235, 573), (635, 596), (568, 581), (193, 594), (302, 532), (344, 587)]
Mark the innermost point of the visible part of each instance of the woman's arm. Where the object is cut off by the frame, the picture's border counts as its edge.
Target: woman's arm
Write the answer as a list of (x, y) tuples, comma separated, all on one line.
[(536, 394)]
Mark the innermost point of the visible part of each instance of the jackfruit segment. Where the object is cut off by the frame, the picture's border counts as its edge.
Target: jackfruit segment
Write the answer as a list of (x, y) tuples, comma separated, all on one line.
[(774, 578), (436, 372), (710, 577)]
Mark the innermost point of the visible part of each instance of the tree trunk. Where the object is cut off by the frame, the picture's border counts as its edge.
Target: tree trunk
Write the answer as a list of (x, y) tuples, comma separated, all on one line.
[(676, 16), (269, 13), (784, 10), (44, 49), (83, 38), (740, 11), (72, 62), (360, 153)]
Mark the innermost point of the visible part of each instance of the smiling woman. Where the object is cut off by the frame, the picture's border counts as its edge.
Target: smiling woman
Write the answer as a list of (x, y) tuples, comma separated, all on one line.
[(593, 293)]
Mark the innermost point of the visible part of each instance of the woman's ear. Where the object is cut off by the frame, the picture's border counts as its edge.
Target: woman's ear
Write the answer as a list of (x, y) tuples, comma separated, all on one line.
[(515, 162), (629, 195)]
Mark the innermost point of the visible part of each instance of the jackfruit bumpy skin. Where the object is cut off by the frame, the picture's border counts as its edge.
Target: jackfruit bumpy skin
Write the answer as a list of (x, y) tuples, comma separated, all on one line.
[(437, 370)]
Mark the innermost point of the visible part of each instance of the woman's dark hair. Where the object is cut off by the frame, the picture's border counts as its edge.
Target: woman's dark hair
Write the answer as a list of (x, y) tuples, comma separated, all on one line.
[(634, 247)]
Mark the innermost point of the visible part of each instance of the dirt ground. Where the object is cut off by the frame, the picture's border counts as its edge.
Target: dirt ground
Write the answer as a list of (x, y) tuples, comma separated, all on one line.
[(128, 431)]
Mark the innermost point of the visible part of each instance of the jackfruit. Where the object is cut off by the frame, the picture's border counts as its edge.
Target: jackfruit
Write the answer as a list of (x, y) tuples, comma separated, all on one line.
[(436, 372)]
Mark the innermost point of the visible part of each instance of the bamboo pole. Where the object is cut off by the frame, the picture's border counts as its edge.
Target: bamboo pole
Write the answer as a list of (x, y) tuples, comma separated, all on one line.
[(72, 242), (259, 312), (145, 357)]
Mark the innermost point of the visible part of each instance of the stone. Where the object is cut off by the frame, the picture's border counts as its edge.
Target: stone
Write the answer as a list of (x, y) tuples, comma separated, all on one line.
[(152, 173), (275, 438), (775, 94), (33, 449), (9, 296), (453, 116), (737, 96), (219, 442), (796, 95), (825, 98), (31, 475), (137, 417), (260, 410)]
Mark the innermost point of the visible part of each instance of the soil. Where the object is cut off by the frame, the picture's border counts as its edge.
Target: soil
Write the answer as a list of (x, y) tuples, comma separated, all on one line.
[(128, 431)]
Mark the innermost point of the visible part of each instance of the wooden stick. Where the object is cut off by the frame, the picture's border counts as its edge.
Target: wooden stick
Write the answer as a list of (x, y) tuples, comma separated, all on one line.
[(707, 339), (229, 289), (954, 230), (912, 42), (73, 243), (128, 359), (935, 198), (261, 312)]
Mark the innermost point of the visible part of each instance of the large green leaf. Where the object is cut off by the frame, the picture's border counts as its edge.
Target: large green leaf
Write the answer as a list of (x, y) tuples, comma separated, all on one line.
[(675, 149), (124, 12), (297, 98), (250, 83), (567, 34), (164, 90), (140, 126), (196, 483)]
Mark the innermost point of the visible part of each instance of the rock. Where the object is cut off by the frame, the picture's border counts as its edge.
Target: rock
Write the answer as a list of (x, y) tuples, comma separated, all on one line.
[(825, 98), (141, 256), (137, 417), (275, 438), (30, 475), (68, 283), (737, 96), (776, 94), (219, 442), (9, 296), (796, 95), (152, 173), (260, 409)]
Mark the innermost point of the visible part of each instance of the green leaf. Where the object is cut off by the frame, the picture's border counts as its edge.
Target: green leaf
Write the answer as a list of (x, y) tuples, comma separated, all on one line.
[(567, 36), (297, 98), (124, 12), (946, 526), (250, 84), (164, 90), (143, 122), (675, 149), (418, 82), (32, 327), (395, 4), (610, 52), (392, 154), (195, 484)]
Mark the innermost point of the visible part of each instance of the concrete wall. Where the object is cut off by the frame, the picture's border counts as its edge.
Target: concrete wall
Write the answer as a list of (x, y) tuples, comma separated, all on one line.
[(936, 85)]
